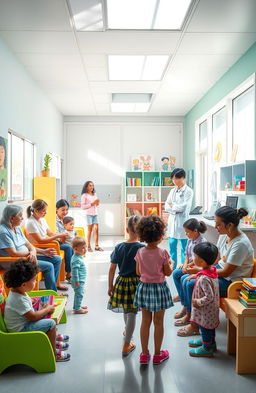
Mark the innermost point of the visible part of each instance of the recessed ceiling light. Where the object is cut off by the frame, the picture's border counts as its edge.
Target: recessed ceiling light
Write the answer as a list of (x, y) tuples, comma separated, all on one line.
[(147, 14), (87, 15), (136, 67), (131, 102)]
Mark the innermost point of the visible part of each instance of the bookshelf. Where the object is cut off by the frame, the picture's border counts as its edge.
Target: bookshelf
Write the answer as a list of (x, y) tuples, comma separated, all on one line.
[(146, 193), (239, 178)]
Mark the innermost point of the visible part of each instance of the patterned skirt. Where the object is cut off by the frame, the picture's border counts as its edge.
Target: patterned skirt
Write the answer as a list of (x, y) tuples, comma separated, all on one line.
[(153, 296), (123, 295)]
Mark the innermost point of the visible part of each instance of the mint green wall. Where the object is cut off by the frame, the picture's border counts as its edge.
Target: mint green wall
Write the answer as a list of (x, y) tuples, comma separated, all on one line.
[(238, 73)]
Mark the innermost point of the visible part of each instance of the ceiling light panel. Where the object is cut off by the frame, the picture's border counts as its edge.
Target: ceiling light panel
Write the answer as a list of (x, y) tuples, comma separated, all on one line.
[(147, 14), (136, 68), (131, 102), (87, 15)]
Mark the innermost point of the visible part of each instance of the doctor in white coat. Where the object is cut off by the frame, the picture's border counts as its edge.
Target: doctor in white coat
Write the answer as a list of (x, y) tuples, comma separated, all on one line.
[(178, 204)]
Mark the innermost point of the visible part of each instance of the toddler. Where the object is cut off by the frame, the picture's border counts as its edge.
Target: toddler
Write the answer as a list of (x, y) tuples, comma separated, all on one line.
[(205, 300), (69, 223), (153, 295), (78, 271), (19, 315), (123, 292)]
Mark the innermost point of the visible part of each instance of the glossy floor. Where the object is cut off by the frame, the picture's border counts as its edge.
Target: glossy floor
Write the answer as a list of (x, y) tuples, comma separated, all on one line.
[(96, 365)]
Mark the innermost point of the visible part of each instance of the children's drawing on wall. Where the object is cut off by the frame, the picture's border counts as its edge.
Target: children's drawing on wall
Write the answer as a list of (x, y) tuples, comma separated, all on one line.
[(147, 163), (3, 168), (167, 163), (136, 163)]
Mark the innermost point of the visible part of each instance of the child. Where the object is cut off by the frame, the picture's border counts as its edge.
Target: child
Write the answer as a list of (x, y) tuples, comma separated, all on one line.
[(153, 295), (123, 292), (78, 271), (205, 300), (19, 315), (68, 223), (193, 230)]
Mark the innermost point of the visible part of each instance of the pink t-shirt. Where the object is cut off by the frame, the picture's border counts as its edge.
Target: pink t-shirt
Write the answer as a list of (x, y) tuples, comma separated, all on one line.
[(86, 204), (151, 263)]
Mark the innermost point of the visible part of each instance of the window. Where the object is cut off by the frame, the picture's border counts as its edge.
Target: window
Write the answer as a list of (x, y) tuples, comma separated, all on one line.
[(243, 125), (21, 167), (202, 161), (219, 136)]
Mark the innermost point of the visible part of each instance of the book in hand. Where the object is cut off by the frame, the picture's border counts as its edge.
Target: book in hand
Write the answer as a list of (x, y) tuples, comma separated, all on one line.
[(40, 302)]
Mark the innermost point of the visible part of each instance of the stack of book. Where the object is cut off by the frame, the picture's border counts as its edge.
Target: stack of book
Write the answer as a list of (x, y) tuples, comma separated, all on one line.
[(248, 293)]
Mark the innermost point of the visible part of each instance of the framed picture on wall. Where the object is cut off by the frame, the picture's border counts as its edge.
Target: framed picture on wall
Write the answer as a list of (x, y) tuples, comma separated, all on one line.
[(131, 197), (3, 168)]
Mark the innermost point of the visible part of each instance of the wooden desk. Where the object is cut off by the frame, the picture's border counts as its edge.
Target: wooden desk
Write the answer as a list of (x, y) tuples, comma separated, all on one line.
[(242, 336)]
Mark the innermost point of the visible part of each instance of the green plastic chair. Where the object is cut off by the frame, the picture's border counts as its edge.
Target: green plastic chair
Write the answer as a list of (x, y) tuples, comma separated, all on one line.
[(29, 348)]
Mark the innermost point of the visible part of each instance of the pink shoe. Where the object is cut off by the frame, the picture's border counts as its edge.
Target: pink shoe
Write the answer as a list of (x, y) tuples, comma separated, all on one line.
[(144, 358), (157, 359)]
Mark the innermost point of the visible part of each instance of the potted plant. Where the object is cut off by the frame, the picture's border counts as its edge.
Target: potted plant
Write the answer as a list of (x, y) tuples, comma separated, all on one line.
[(46, 168)]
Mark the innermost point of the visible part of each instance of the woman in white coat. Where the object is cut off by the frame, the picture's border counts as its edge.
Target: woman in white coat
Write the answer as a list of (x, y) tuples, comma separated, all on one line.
[(178, 204)]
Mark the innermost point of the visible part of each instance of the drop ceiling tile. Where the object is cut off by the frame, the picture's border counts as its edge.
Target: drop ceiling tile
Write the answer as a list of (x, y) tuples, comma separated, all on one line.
[(34, 15), (40, 42), (101, 98), (216, 43), (103, 108), (95, 60), (181, 61), (224, 16), (49, 60), (57, 74), (96, 74)]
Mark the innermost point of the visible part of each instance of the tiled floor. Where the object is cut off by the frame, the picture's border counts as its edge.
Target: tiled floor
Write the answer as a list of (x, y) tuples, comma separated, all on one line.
[(96, 365)]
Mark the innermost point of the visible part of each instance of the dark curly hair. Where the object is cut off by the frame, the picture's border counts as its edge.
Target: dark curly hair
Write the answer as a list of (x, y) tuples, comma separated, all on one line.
[(151, 228), (207, 251), (19, 272)]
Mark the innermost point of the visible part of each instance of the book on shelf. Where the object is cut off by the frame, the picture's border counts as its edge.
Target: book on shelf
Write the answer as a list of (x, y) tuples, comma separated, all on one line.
[(151, 210), (40, 302), (155, 181), (133, 181), (247, 295), (132, 212)]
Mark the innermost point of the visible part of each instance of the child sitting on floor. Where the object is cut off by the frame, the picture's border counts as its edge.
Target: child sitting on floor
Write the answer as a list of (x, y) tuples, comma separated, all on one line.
[(78, 270), (19, 315), (69, 223), (205, 300)]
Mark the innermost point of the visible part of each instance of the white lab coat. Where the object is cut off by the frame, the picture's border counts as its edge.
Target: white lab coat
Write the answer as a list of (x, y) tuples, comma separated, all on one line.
[(179, 212)]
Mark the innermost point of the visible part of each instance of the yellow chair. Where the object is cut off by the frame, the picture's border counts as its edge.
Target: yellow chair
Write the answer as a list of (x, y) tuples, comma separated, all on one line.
[(80, 231)]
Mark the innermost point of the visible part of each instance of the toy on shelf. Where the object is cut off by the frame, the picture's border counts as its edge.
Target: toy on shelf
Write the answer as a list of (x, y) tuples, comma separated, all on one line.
[(74, 201)]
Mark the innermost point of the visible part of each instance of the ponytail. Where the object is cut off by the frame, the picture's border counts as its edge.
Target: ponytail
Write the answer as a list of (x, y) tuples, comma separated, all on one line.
[(38, 204), (192, 224), (30, 210), (230, 215), (132, 223)]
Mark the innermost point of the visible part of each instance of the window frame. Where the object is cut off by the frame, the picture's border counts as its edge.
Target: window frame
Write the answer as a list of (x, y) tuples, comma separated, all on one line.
[(24, 139)]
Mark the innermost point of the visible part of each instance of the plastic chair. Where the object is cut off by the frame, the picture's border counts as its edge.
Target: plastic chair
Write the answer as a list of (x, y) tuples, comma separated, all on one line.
[(80, 231), (29, 348)]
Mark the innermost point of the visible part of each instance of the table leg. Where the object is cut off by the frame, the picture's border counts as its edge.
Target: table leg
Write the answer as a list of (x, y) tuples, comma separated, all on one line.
[(231, 339)]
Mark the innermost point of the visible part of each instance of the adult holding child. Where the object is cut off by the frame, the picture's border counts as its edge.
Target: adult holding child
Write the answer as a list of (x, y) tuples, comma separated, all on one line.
[(37, 230), (235, 259), (13, 243), (178, 204), (90, 203), (62, 207)]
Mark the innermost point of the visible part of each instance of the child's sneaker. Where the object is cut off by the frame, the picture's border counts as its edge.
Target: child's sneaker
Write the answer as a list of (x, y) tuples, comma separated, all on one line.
[(128, 348), (62, 337), (164, 355), (62, 345), (144, 358), (201, 352), (62, 356), (199, 343)]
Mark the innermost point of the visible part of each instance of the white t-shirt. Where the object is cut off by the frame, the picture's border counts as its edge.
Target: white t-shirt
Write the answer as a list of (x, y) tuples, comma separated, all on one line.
[(15, 307), (238, 252), (37, 226)]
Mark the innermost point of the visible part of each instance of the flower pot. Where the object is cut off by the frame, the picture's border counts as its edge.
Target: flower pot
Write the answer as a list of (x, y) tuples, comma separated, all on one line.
[(45, 173)]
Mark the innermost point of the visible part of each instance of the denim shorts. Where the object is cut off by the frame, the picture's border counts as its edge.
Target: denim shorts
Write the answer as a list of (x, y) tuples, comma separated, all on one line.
[(43, 325), (92, 219)]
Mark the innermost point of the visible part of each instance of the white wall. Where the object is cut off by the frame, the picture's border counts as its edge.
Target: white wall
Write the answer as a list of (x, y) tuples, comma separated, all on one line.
[(101, 152)]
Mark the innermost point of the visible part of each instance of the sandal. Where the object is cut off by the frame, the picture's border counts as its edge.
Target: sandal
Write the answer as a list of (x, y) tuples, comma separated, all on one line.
[(89, 249), (181, 322), (62, 288), (186, 332), (62, 345), (62, 337), (98, 248), (127, 349), (81, 311), (62, 294), (62, 356), (176, 299), (179, 314)]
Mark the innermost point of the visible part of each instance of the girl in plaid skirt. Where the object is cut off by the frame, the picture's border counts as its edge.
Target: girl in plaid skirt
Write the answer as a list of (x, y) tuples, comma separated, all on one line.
[(153, 295), (123, 292)]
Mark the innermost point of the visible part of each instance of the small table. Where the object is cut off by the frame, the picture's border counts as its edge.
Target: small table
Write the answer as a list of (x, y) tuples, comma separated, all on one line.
[(242, 335)]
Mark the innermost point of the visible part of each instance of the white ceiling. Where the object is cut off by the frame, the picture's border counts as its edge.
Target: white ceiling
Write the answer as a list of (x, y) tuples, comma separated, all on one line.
[(71, 67)]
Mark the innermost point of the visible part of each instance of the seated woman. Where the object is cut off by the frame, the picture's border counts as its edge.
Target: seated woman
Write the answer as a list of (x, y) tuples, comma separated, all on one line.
[(62, 207), (13, 243), (37, 229), (235, 260)]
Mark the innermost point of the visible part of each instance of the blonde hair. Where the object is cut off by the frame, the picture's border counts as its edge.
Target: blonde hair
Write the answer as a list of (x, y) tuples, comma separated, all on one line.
[(78, 241)]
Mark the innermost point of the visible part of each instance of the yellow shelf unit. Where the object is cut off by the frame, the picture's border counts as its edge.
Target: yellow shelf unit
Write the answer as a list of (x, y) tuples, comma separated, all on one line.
[(45, 188)]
